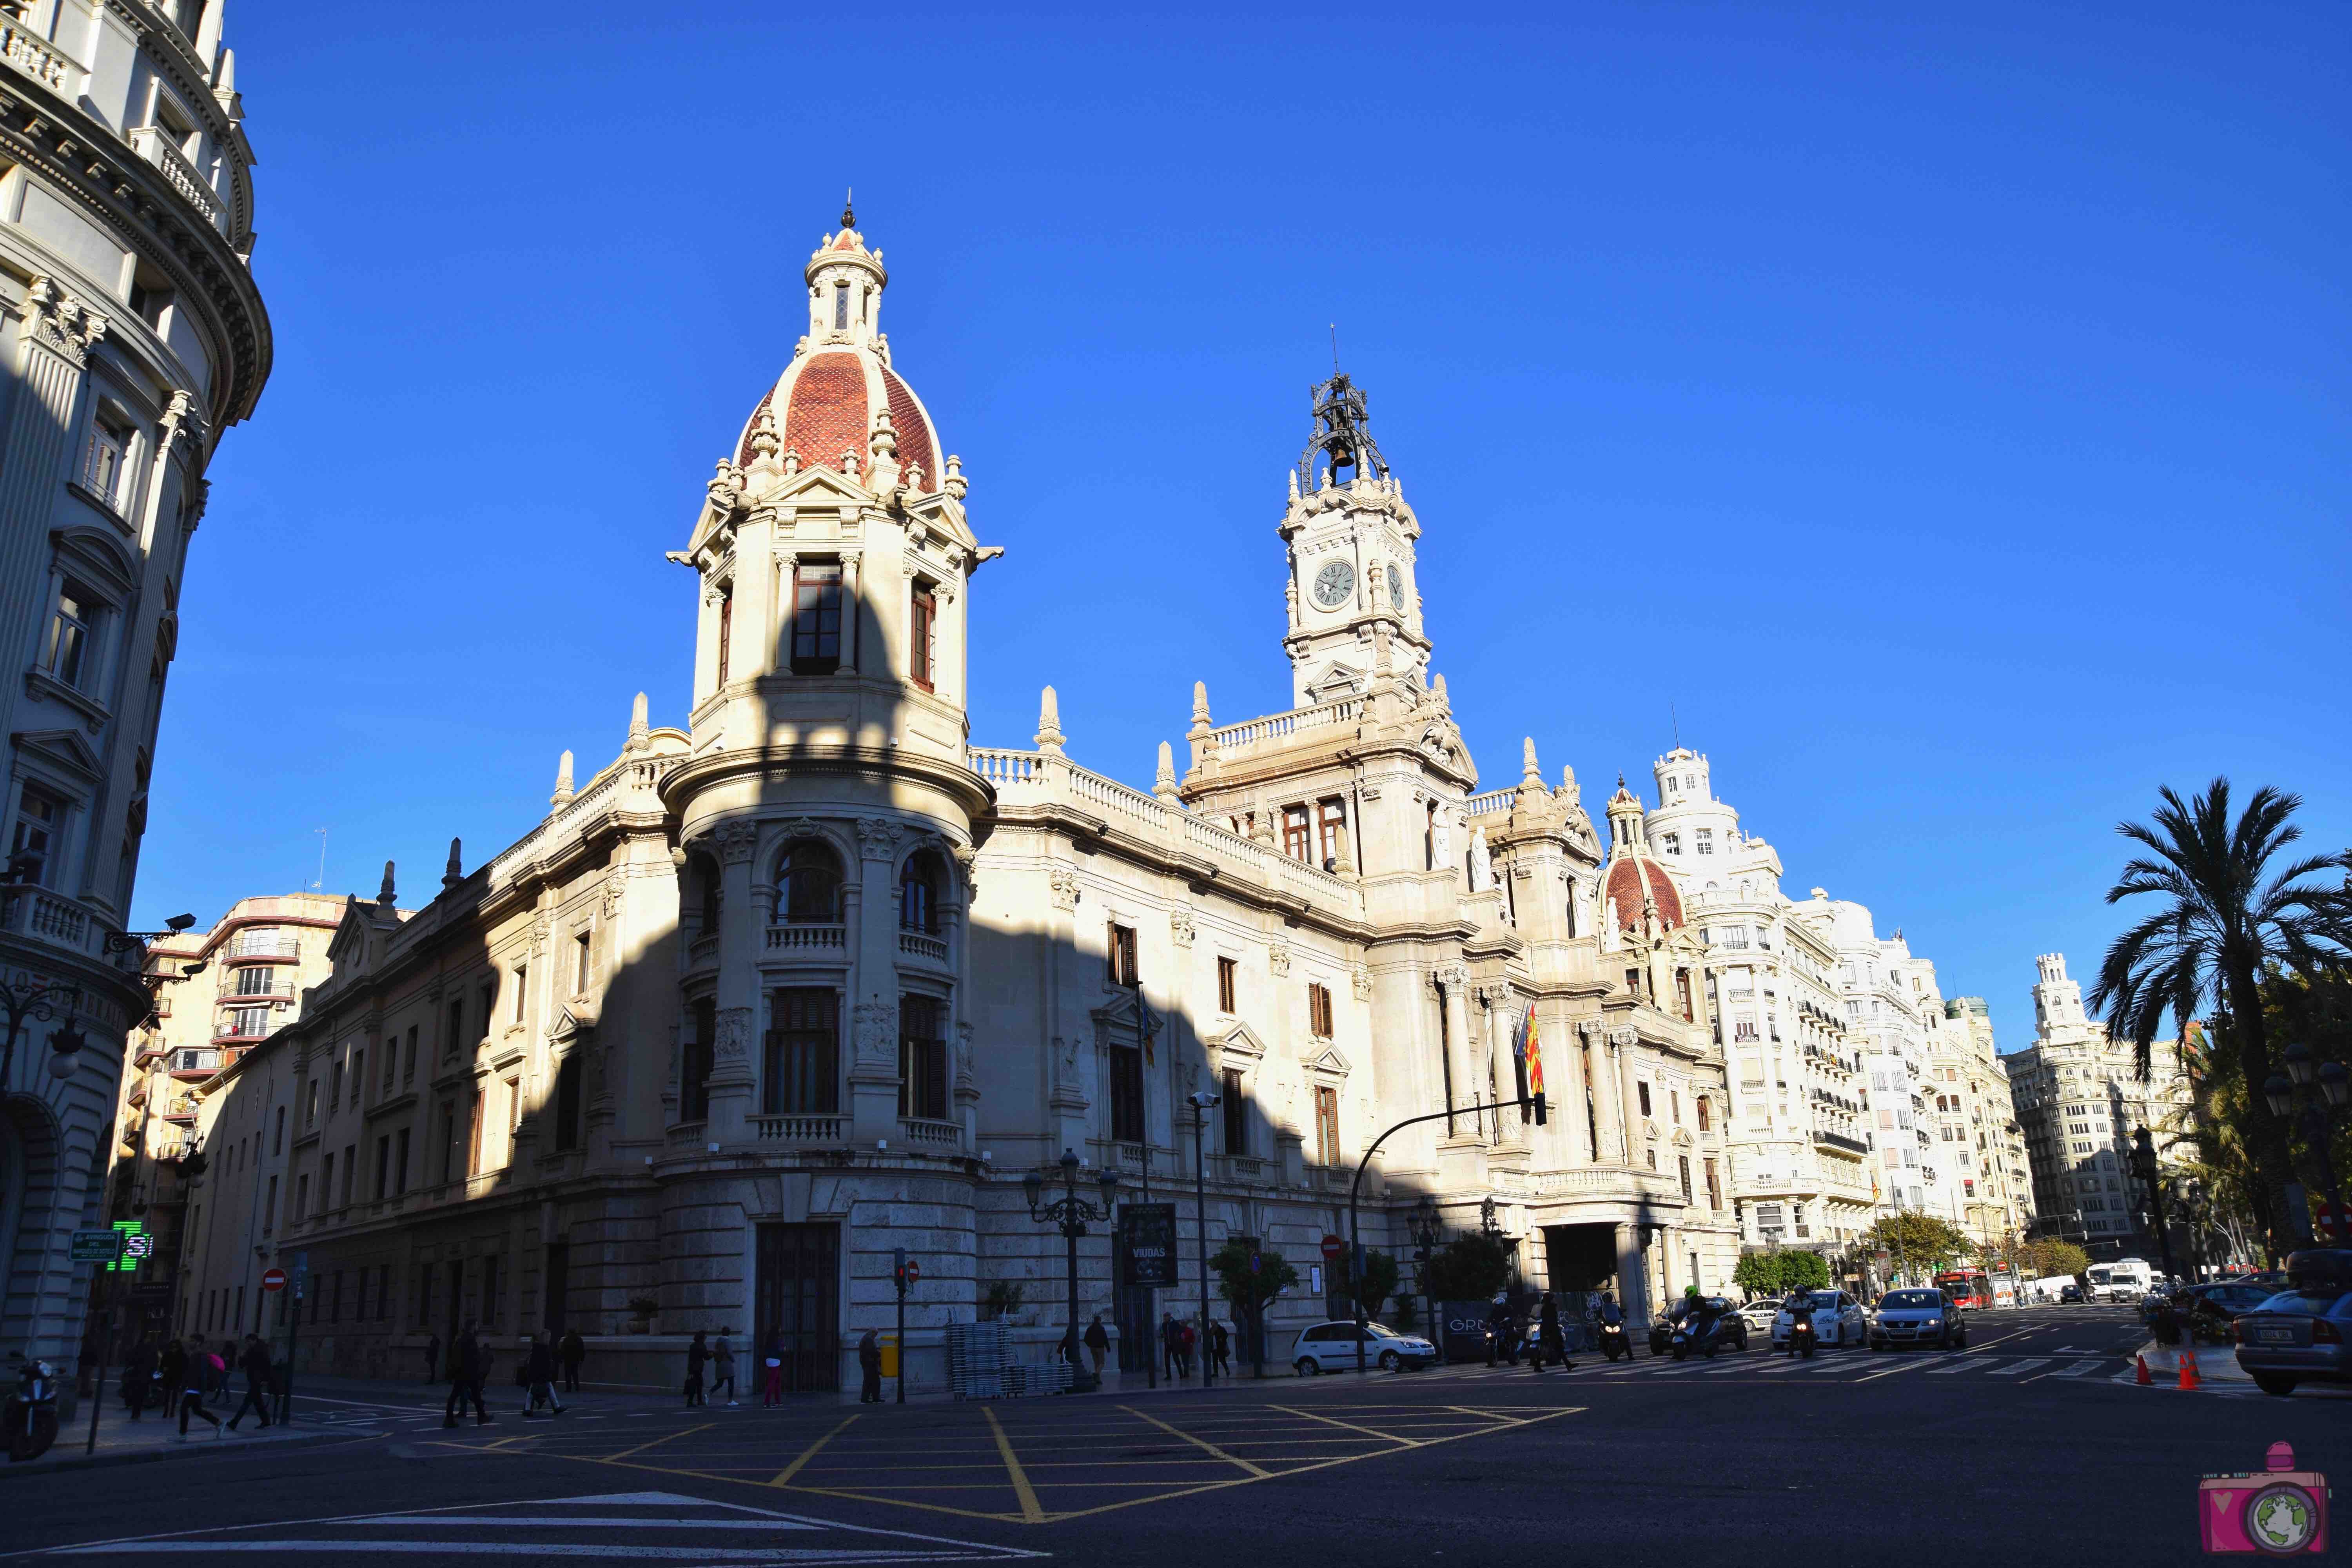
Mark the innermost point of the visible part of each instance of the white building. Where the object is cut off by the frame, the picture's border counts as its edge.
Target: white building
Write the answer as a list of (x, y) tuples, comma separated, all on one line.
[(2079, 1099), (135, 336), (1799, 1139)]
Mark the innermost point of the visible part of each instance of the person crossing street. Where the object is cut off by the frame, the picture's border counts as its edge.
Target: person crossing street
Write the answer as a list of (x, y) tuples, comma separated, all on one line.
[(255, 1363)]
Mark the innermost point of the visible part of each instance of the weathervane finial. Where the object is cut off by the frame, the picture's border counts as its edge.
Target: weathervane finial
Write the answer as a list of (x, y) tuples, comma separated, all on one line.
[(848, 214)]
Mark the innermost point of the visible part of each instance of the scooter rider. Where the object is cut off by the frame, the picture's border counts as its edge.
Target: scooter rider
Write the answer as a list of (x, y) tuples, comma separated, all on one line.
[(1612, 1318), (1799, 1307)]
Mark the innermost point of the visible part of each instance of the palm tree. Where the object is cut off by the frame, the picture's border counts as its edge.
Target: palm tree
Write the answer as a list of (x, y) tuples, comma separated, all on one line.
[(2227, 920)]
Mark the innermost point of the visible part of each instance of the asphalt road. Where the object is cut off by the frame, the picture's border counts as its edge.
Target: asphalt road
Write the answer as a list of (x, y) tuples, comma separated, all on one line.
[(2031, 1446)]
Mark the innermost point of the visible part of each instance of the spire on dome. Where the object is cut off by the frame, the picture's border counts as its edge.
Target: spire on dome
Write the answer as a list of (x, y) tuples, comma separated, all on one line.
[(849, 212)]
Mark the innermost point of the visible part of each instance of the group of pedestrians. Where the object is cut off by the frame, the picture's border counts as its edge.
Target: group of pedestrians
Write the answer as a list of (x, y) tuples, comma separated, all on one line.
[(545, 1364), (1508, 1333), (181, 1375), (713, 1362)]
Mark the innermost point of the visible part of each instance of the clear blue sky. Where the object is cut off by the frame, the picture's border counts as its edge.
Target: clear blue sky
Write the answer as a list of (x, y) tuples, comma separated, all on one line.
[(1947, 419)]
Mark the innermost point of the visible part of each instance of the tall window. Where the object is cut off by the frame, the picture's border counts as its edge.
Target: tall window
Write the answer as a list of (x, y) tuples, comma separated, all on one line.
[(921, 623), (521, 986), (383, 1166), (1228, 974), (1683, 1160), (816, 618), (456, 1030), (1327, 1125), (1294, 832), (567, 1103), (919, 895), (66, 654), (1700, 1106), (1643, 1088), (1236, 1114), (110, 457), (811, 893), (580, 963), (1318, 1011), (1331, 828), (922, 1057), (841, 307), (1126, 1094), (408, 1056), (39, 816), (400, 1161), (694, 1063), (726, 629), (803, 1054), (1706, 836), (449, 1139), (1121, 948)]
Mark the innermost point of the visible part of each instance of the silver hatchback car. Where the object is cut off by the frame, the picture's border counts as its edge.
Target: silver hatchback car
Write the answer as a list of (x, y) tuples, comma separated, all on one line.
[(2302, 1334)]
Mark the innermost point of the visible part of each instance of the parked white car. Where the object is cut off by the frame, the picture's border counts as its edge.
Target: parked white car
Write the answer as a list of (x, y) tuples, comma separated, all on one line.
[(1838, 1319), (1759, 1314), (1332, 1347)]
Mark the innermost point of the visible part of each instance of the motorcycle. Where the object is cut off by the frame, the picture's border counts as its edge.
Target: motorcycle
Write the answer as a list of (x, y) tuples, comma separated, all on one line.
[(30, 1417), (1705, 1337), (1613, 1342), (1801, 1336)]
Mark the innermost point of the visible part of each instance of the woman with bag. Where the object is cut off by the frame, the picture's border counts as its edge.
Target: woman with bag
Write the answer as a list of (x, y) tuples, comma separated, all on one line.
[(772, 1391)]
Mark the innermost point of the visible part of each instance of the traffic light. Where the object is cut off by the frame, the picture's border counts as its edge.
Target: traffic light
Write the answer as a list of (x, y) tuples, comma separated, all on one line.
[(899, 1267)]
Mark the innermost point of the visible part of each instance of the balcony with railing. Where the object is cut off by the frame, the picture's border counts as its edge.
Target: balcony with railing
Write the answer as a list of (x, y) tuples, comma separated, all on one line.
[(828, 1128), (926, 1136), (702, 952), (266, 944), (161, 148), (267, 987), (808, 939), (1827, 1138), (31, 55), (922, 947)]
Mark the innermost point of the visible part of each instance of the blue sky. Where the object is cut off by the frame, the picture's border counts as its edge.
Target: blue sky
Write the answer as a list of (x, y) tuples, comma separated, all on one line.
[(1946, 418)]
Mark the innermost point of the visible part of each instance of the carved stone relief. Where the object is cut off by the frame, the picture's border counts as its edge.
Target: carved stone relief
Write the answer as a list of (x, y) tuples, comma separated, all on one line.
[(877, 837), (734, 1043), (1180, 926), (737, 838), (1277, 957), (1064, 882)]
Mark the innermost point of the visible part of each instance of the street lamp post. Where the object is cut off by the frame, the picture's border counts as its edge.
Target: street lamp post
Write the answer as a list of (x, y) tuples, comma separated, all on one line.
[(1202, 1099), (2143, 1165), (2317, 1117), (1071, 1212), (1427, 1226)]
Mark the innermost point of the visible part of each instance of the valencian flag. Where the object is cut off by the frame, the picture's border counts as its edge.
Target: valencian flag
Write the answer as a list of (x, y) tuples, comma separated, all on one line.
[(1531, 1052)]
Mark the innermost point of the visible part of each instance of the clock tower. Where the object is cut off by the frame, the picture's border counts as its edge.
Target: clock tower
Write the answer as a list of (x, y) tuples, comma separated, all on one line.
[(1354, 609)]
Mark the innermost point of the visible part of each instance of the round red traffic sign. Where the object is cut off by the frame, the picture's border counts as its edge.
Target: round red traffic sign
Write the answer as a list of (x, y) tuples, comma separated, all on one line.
[(914, 1271), (1334, 1248), (273, 1279)]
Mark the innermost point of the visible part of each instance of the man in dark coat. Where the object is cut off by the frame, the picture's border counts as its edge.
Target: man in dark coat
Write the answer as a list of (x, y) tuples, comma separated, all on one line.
[(539, 1370), (869, 1363), (255, 1363), (571, 1349), (697, 1356), (467, 1367)]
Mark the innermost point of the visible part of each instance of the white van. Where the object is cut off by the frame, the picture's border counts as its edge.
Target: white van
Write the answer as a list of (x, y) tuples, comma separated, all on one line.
[(2124, 1279)]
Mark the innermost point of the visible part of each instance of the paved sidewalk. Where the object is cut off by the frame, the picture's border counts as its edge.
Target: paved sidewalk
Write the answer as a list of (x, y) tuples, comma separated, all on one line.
[(2215, 1363), (155, 1436)]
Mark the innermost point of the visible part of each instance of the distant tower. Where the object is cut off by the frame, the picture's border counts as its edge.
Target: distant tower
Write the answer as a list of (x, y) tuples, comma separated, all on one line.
[(2057, 1001), (1354, 617)]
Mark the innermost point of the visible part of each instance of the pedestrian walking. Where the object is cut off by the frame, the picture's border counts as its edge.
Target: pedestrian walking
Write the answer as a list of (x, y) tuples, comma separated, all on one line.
[(190, 1398), (869, 1363), (539, 1372), (698, 1355), (571, 1351), (1168, 1346), (224, 1360), (432, 1357), (255, 1363), (1219, 1345), (468, 1365), (138, 1378), (1185, 1341), (171, 1371), (771, 1391), (1097, 1342), (722, 1355)]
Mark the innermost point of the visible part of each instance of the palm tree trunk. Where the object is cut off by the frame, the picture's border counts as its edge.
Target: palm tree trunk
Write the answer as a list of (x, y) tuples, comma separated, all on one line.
[(2266, 1133)]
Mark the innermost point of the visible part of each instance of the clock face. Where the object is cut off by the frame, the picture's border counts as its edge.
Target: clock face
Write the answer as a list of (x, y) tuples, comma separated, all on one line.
[(1333, 583), (1396, 586)]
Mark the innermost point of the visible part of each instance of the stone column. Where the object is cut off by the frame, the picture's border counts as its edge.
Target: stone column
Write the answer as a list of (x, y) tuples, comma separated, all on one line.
[(1563, 1068), (874, 1030), (1629, 1100), (1632, 1274), (52, 351), (734, 1069), (1596, 1063), (1468, 1084), (853, 616)]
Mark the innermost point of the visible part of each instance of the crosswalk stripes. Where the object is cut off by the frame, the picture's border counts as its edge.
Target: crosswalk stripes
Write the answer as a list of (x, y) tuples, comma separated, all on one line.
[(2080, 1369), (2012, 1368), (616, 1528)]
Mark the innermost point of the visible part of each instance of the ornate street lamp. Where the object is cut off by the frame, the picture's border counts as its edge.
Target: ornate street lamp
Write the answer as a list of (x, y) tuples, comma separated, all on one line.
[(2316, 1122), (1071, 1212), (2143, 1159)]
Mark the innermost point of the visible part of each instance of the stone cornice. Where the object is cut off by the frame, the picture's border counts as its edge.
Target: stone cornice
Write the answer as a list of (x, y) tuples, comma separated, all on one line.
[(968, 789), (130, 199)]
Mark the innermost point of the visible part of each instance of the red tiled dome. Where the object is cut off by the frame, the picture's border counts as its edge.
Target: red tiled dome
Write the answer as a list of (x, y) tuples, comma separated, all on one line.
[(1626, 875), (915, 444), (827, 412)]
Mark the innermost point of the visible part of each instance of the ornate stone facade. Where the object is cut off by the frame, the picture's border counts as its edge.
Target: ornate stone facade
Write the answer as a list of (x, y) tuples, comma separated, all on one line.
[(862, 975)]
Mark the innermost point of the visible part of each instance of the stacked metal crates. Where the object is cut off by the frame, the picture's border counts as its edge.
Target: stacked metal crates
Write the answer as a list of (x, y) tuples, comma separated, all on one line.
[(979, 1356)]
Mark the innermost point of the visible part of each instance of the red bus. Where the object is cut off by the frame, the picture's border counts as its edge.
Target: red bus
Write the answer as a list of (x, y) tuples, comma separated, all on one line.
[(1969, 1287)]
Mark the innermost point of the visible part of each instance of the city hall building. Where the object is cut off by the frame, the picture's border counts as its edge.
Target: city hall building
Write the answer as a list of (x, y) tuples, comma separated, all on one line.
[(814, 976)]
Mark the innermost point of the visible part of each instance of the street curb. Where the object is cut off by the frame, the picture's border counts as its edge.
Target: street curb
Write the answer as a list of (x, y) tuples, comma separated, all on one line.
[(175, 1451)]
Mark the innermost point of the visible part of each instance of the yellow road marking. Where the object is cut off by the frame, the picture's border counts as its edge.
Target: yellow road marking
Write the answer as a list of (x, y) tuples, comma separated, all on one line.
[(789, 1471), (1030, 1513), (1351, 1426), (641, 1448), (1206, 1448)]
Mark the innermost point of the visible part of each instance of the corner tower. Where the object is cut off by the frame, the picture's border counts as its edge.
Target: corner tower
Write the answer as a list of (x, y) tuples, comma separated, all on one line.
[(1354, 608)]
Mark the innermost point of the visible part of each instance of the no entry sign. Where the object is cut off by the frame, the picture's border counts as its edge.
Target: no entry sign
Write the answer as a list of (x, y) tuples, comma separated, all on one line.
[(273, 1279), (1334, 1248)]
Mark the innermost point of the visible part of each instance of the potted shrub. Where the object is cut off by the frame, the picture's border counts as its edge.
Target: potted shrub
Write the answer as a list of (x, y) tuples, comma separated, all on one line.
[(643, 1308)]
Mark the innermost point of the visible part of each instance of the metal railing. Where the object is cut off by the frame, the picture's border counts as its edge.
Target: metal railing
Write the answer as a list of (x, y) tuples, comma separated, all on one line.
[(809, 938)]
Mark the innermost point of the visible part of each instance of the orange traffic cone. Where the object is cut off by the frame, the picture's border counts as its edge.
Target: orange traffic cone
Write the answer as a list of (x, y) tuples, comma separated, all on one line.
[(2188, 1368), (2141, 1377)]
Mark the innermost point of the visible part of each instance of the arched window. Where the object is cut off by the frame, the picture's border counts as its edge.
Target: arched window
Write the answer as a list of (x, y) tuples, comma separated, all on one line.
[(919, 894), (811, 885)]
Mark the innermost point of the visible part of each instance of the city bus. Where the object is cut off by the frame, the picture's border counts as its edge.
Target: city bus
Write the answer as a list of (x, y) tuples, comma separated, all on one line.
[(1969, 1287)]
